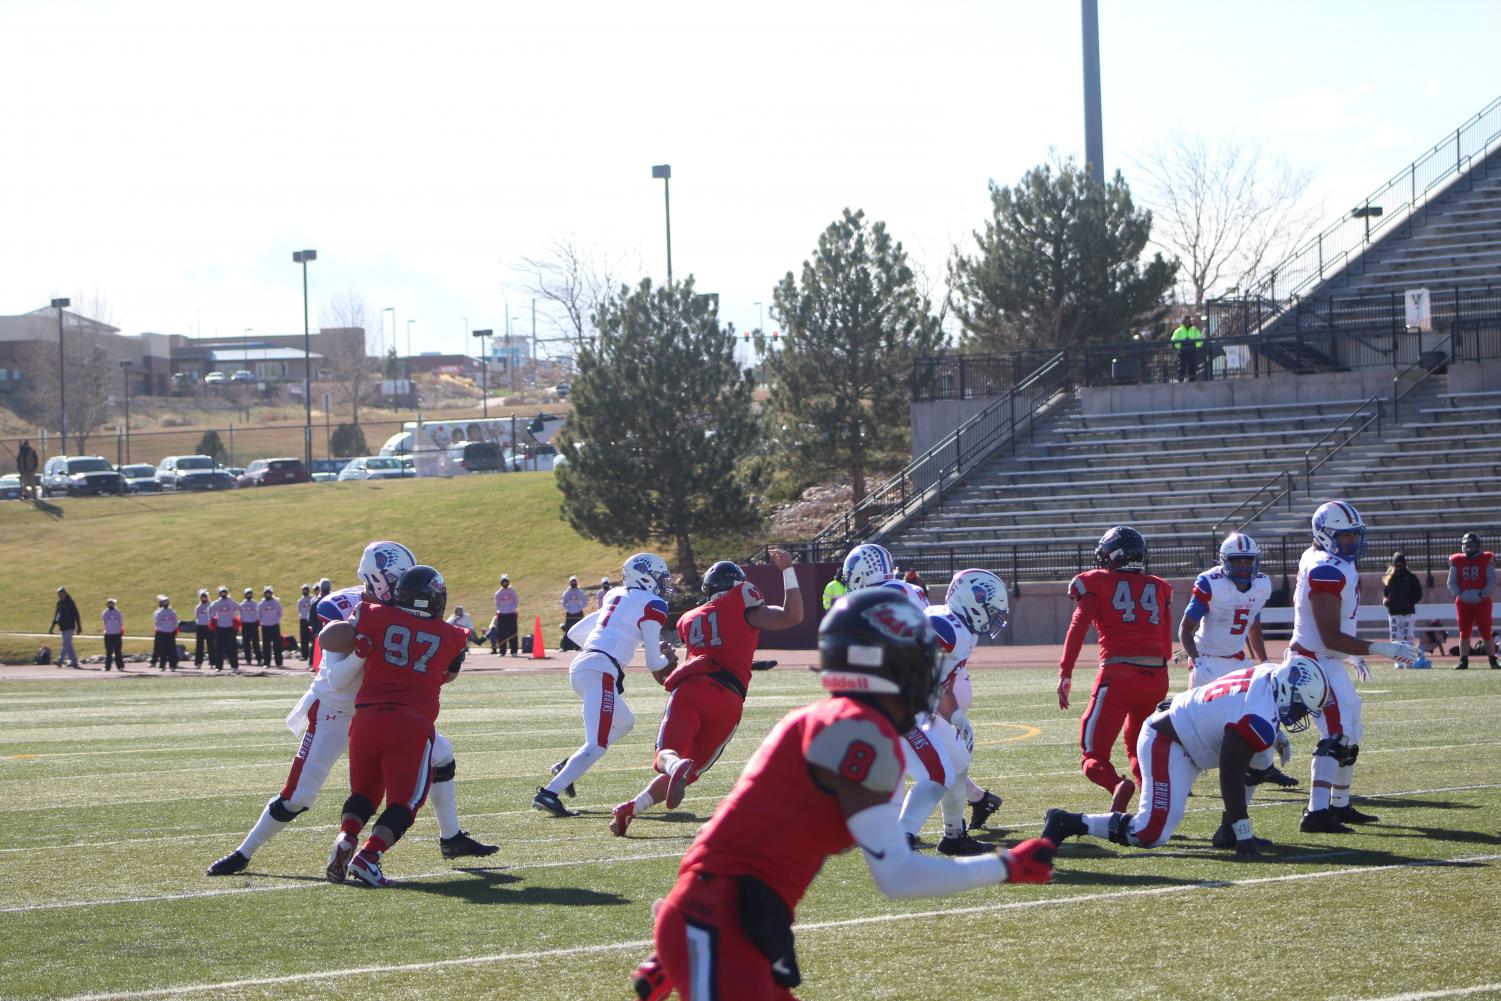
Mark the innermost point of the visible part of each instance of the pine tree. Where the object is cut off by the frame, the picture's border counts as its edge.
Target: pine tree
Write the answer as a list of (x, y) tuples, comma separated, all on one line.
[(348, 441), (660, 422), (1059, 265), (211, 444), (854, 320)]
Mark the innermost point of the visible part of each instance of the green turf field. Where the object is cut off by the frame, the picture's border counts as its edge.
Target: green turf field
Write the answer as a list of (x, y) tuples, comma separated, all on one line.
[(116, 796)]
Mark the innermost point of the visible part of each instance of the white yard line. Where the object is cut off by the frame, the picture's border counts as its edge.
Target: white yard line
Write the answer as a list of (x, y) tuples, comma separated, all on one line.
[(1450, 992), (1083, 898)]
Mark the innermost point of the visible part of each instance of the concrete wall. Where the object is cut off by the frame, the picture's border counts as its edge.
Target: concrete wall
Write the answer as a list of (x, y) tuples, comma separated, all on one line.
[(1475, 378), (935, 420), (1105, 400)]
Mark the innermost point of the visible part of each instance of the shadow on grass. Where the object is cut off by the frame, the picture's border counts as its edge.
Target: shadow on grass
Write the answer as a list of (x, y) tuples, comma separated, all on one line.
[(49, 509), (488, 886), (1411, 803), (1440, 834)]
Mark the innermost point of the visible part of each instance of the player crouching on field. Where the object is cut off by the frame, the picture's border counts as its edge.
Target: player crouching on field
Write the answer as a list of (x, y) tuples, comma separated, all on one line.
[(1227, 724), (820, 783), (407, 652)]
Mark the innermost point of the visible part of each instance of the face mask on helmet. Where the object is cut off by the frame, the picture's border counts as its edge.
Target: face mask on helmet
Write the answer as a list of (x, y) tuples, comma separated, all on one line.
[(1121, 548), (422, 591), (867, 565), (647, 572), (1339, 531), (382, 565), (1301, 691), (979, 598), (1470, 545), (874, 642), (722, 576), (1240, 557)]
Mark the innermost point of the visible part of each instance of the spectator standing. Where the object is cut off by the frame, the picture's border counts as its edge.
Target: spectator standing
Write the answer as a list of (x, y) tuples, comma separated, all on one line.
[(223, 613), (65, 620), (464, 621), (26, 463), (1188, 339), (1400, 593), (114, 634), (206, 644), (574, 603), (268, 614), (599, 595), (164, 644), (250, 628), (915, 579), (1472, 580), (506, 604), (834, 589), (304, 626)]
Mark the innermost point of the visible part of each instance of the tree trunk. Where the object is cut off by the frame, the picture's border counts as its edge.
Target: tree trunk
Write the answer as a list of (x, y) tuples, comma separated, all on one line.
[(687, 566)]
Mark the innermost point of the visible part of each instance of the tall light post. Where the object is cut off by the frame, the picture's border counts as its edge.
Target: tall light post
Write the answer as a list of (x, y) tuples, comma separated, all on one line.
[(62, 376), (125, 367), (245, 347), (408, 367), (664, 171), (303, 257), (382, 349), (484, 367)]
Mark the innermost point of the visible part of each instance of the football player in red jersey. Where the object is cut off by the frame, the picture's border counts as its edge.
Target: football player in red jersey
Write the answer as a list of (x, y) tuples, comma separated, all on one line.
[(706, 695), (1131, 611), (820, 783), (409, 652), (1472, 581)]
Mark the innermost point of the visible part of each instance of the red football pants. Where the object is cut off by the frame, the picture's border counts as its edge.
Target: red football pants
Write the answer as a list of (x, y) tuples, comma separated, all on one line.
[(702, 948), (391, 756), (699, 720), (1476, 616), (1124, 696)]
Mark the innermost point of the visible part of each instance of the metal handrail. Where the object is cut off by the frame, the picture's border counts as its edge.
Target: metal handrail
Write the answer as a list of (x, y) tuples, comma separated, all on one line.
[(1376, 417), (1447, 346), (926, 478), (1468, 146), (1288, 493)]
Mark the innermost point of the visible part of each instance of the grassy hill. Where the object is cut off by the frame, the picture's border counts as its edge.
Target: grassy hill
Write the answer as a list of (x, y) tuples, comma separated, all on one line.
[(472, 528)]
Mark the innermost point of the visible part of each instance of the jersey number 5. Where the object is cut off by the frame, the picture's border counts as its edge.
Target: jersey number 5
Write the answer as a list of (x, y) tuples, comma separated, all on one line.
[(1123, 602), (1238, 623), (699, 625), (398, 647)]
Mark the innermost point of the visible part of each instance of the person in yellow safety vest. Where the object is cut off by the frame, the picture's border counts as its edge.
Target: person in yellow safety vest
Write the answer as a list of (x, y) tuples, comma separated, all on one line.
[(1187, 340), (833, 591)]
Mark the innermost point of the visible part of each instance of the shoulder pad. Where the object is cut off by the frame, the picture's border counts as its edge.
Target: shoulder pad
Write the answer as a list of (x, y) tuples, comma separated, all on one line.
[(1077, 588), (751, 595), (1327, 572), (857, 750), (943, 629)]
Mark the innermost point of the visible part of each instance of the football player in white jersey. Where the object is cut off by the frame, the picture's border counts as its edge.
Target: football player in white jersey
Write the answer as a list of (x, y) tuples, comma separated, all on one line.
[(942, 745), (631, 615), (1324, 609), (1227, 724), (322, 717)]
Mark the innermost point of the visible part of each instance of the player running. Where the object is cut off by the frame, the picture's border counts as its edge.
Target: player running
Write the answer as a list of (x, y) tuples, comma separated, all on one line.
[(1325, 604), (631, 615), (322, 717), (1227, 724), (820, 783), (1131, 611), (706, 695), (405, 652), (1472, 581)]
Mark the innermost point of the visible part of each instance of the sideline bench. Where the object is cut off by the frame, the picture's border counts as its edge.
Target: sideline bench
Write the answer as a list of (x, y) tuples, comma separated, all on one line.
[(1370, 620)]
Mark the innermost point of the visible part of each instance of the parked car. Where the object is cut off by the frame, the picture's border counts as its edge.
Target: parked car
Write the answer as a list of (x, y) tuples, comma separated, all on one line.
[(273, 472), (10, 486), (331, 466), (192, 472), (374, 467), (562, 389), (242, 375), (539, 459), (140, 478), (482, 457), (80, 475), (214, 379)]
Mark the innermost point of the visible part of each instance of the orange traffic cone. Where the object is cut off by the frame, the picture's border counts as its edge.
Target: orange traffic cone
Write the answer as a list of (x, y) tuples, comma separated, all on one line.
[(537, 652)]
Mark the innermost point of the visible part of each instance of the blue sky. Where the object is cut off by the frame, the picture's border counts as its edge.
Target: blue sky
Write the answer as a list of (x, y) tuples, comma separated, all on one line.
[(169, 157)]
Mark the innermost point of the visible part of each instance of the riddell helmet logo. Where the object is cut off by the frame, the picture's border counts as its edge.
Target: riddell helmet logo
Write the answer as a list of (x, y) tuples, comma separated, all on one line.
[(846, 682), (899, 621)]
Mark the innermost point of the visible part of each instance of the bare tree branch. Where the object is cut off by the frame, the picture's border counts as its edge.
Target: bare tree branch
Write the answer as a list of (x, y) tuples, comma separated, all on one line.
[(571, 283), (345, 348)]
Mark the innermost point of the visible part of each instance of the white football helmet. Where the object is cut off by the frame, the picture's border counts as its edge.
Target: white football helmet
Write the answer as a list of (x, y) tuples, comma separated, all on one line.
[(1330, 520), (1301, 691), (649, 572), (382, 564), (1239, 546), (868, 565), (979, 598)]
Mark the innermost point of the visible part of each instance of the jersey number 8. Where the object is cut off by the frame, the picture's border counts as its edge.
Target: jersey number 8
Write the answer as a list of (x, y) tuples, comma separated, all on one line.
[(398, 648)]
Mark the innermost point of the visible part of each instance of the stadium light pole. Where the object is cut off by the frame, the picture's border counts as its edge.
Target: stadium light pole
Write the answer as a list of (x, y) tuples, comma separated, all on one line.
[(407, 369), (664, 171), (303, 257), (125, 367), (1367, 212), (381, 350), (484, 367), (62, 376)]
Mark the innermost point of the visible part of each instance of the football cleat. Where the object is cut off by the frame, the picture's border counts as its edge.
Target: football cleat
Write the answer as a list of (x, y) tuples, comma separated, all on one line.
[(1124, 790), (228, 865), (364, 869), (1256, 776), (677, 782), (1060, 824), (912, 842), (1347, 814), (650, 982), (1322, 822), (570, 792), (547, 801), (461, 845), (981, 809), (962, 845), (338, 859), (1463, 665), (621, 818)]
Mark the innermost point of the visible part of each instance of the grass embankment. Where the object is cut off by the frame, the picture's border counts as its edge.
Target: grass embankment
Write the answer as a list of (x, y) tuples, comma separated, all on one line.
[(472, 528)]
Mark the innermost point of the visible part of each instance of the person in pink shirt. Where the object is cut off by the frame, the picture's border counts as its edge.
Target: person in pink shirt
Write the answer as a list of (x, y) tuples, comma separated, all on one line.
[(114, 635)]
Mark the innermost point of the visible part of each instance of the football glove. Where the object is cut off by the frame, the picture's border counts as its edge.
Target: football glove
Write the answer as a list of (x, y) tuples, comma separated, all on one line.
[(1403, 652), (1284, 748), (1064, 684), (964, 730), (1181, 657), (1030, 862), (1361, 671)]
